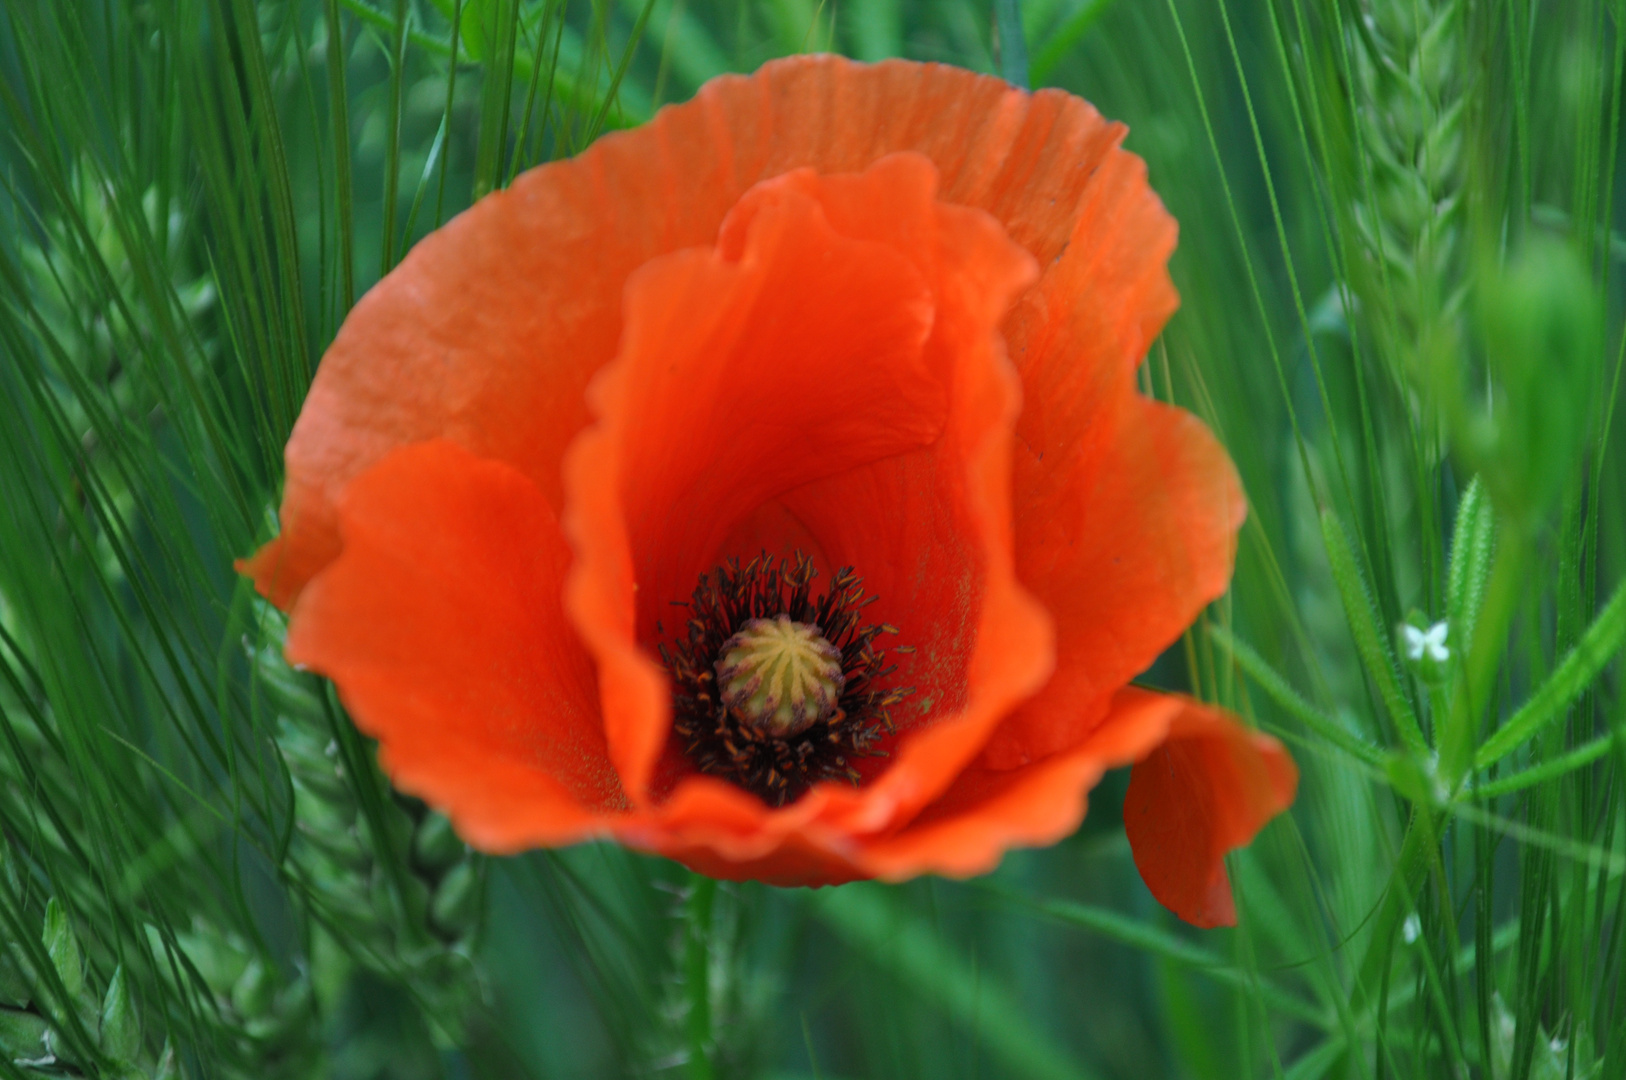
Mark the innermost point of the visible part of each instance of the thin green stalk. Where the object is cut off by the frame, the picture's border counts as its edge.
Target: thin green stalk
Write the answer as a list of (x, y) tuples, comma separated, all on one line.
[(1013, 43), (343, 184), (392, 152), (1290, 701)]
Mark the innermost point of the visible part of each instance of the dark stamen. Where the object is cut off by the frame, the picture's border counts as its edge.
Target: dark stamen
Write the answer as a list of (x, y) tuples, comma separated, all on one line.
[(723, 742)]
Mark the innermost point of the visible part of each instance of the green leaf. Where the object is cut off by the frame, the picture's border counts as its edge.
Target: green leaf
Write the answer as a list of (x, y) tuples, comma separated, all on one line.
[(686, 44), (1366, 625), (478, 28), (1598, 646), (1580, 757)]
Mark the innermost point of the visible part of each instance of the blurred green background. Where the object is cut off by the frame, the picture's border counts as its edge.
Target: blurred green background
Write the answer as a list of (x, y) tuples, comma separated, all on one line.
[(1400, 271)]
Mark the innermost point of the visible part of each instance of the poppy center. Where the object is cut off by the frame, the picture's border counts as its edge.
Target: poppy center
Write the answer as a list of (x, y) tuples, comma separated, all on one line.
[(780, 676), (774, 688)]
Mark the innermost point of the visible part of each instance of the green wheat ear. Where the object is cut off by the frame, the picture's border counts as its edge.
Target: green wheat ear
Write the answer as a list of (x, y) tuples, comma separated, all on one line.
[(1410, 94), (269, 1019), (386, 877)]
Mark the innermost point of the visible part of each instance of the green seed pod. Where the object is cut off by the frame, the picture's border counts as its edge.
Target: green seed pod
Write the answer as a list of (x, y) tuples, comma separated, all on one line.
[(22, 1035), (121, 1027), (254, 990), (435, 847), (288, 692), (318, 813), (60, 1049), (313, 760), (63, 947), (15, 986), (457, 901), (339, 844), (286, 1016), (219, 959)]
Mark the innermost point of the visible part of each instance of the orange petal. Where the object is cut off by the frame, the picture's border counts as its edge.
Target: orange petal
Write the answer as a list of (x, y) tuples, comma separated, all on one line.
[(987, 811), (441, 623), (1203, 785), (668, 479), (1125, 548), (490, 329), (1078, 334), (738, 379), (1205, 791)]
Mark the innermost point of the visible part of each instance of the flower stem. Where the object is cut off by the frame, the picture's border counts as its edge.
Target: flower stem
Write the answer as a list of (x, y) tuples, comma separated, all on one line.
[(697, 974)]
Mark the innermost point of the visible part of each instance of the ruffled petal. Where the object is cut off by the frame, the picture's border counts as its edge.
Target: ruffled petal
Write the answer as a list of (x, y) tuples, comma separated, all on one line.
[(1202, 786), (739, 378), (490, 329), (987, 811), (442, 626), (1132, 543), (1205, 791)]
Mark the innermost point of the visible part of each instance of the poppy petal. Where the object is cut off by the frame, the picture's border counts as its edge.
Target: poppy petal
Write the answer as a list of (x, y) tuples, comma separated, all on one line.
[(441, 623), (1202, 785), (1076, 358), (987, 810), (1130, 547), (884, 486), (489, 330), (1205, 791)]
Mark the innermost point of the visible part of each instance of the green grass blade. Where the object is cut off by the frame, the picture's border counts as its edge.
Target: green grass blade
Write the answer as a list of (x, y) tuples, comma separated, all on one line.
[(1600, 644), (1294, 705), (876, 926)]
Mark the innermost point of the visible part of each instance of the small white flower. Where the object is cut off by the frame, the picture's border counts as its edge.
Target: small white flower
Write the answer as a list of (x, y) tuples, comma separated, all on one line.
[(1430, 642), (1411, 928)]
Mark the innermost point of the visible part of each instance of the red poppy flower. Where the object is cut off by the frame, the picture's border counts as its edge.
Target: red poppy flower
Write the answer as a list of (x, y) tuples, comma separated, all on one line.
[(841, 357)]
